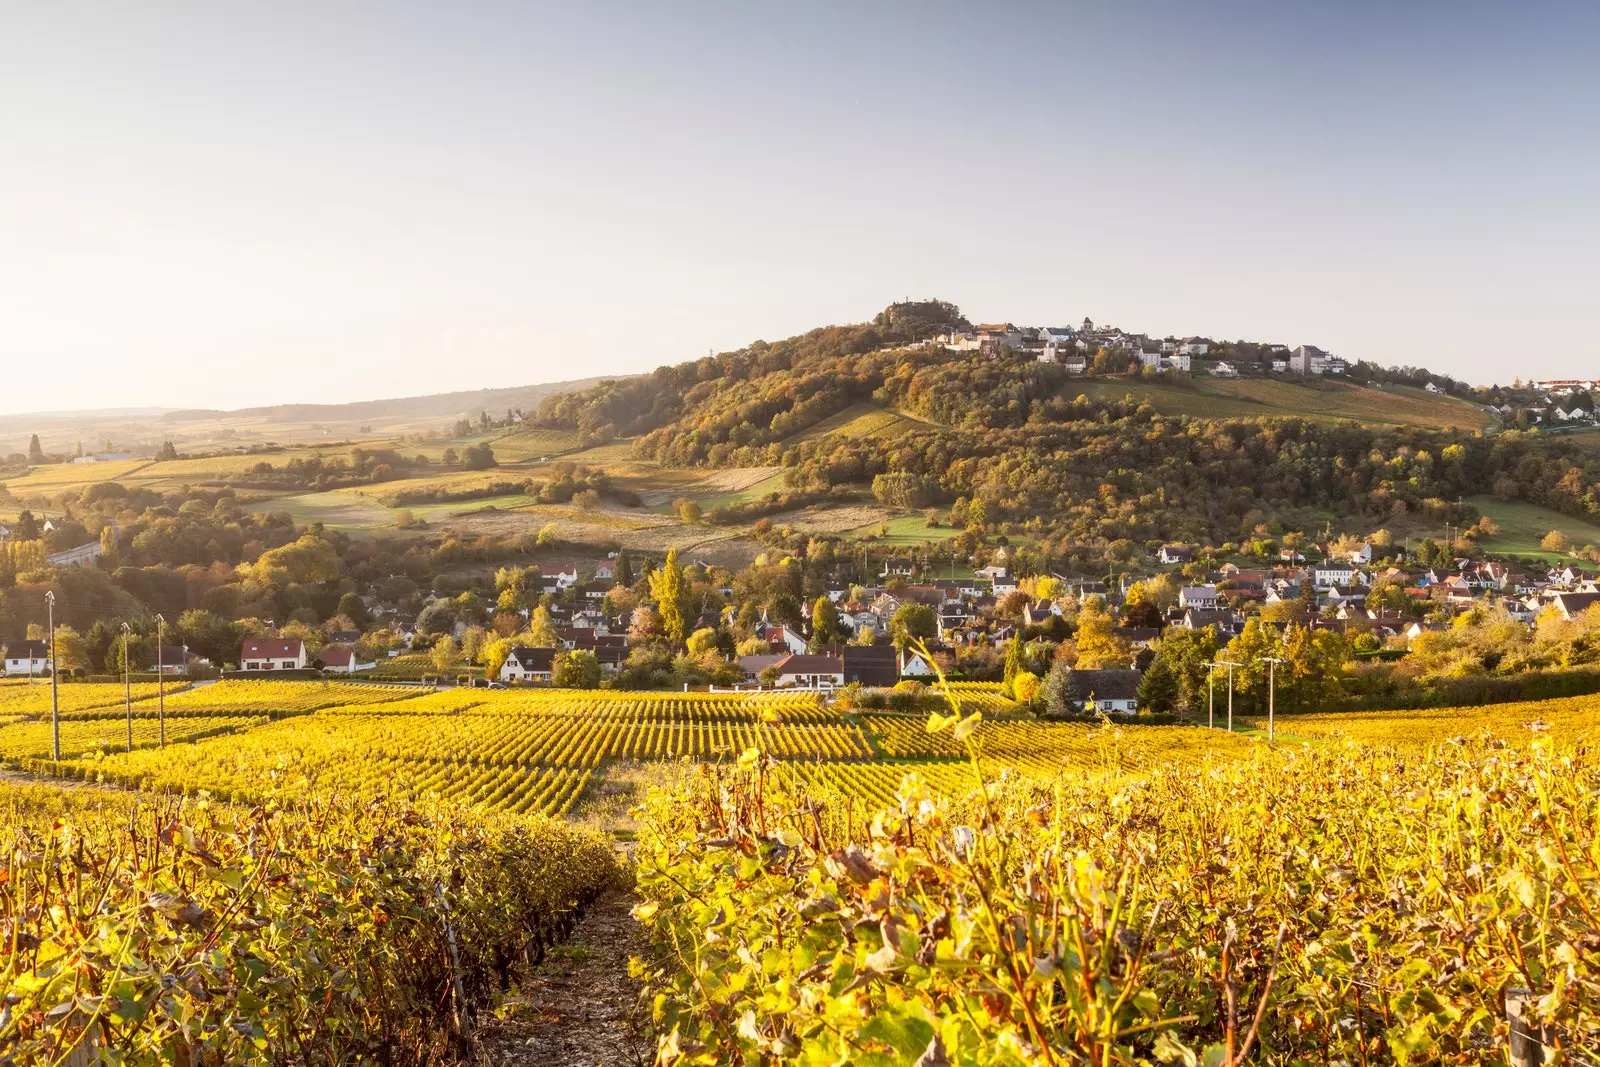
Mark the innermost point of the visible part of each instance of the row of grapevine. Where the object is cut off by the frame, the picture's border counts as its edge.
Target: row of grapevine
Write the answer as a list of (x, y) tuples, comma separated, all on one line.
[(1521, 721), (1310, 904), (79, 737), (171, 932), (22, 698)]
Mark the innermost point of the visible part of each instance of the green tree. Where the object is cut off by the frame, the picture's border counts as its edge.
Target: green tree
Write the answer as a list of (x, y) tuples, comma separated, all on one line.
[(824, 621), (578, 669), (623, 570), (912, 622), (702, 642), (668, 590), (1158, 688), (35, 450), (1013, 663), (444, 654), (542, 629)]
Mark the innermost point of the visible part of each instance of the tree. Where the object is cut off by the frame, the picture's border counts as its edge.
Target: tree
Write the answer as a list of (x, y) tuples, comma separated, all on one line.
[(578, 669), (308, 559), (1098, 645), (542, 629), (1555, 541), (912, 622), (472, 642), (35, 450), (824, 621), (141, 655), (1158, 688), (1025, 687), (586, 500), (211, 636), (549, 535), (352, 607), (702, 642), (27, 526), (1061, 693), (753, 646), (444, 654), (667, 588), (623, 569), (166, 452), (72, 651), (1013, 664)]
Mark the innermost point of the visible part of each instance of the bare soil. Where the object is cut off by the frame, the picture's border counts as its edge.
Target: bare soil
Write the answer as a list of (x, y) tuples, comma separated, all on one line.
[(580, 1008)]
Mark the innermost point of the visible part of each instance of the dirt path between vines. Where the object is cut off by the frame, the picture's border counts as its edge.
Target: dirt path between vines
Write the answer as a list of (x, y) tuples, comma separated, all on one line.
[(580, 1008)]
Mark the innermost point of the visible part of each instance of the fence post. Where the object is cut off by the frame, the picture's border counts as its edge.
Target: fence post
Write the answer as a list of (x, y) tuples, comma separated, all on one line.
[(1526, 1041), (463, 1020)]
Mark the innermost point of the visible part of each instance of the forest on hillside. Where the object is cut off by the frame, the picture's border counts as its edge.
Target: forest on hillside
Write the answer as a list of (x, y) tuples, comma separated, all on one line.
[(1024, 440)]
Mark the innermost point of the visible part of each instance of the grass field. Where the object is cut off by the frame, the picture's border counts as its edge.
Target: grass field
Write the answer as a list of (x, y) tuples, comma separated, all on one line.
[(1523, 526), (905, 530), (866, 422), (1270, 397)]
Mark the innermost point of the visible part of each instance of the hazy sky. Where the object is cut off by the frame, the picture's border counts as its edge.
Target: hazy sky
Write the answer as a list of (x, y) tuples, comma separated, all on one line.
[(225, 204)]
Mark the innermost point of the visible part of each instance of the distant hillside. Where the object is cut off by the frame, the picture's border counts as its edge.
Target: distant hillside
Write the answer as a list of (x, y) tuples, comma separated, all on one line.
[(1119, 454), (436, 405), (143, 430)]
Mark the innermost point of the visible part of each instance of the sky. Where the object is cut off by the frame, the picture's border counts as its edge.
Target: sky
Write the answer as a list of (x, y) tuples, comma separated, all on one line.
[(234, 204)]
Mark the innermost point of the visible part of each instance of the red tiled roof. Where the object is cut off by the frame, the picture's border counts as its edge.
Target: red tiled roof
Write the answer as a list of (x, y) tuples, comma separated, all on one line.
[(273, 648)]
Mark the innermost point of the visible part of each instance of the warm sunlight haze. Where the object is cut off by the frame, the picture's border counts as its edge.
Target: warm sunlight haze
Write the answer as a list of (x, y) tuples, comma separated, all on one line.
[(740, 535)]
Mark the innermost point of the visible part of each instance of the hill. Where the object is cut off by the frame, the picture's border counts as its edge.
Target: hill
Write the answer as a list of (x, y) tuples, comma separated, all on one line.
[(143, 430), (885, 409)]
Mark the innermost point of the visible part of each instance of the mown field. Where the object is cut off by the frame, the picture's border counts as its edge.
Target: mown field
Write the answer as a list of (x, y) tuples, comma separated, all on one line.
[(1523, 526), (1269, 397)]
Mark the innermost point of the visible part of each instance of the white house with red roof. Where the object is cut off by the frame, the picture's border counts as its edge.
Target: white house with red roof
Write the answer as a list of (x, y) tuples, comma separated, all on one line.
[(273, 654)]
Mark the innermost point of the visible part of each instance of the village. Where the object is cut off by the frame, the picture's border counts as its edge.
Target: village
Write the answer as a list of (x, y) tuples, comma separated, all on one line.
[(906, 624)]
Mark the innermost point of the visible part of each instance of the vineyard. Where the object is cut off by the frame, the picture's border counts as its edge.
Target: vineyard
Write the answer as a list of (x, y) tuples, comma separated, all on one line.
[(1306, 905), (351, 933), (866, 887), (1519, 722)]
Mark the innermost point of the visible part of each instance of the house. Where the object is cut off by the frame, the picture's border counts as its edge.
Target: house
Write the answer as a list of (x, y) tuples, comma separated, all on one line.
[(871, 665), (529, 665), (1308, 359), (786, 638), (810, 671), (1571, 605), (1198, 596), (560, 575), (991, 572), (754, 665), (1108, 690), (1175, 554), (174, 660), (273, 654), (1076, 364), (1150, 357), (27, 657), (1194, 346), (343, 661), (1226, 622), (1178, 361), (1223, 370), (1430, 387), (1362, 555), (605, 571), (915, 665), (1328, 575), (1038, 612)]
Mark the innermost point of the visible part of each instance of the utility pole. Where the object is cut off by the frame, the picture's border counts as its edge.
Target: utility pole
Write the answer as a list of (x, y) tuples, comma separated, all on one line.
[(1230, 665), (55, 693), (161, 689), (127, 685), (1272, 692)]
